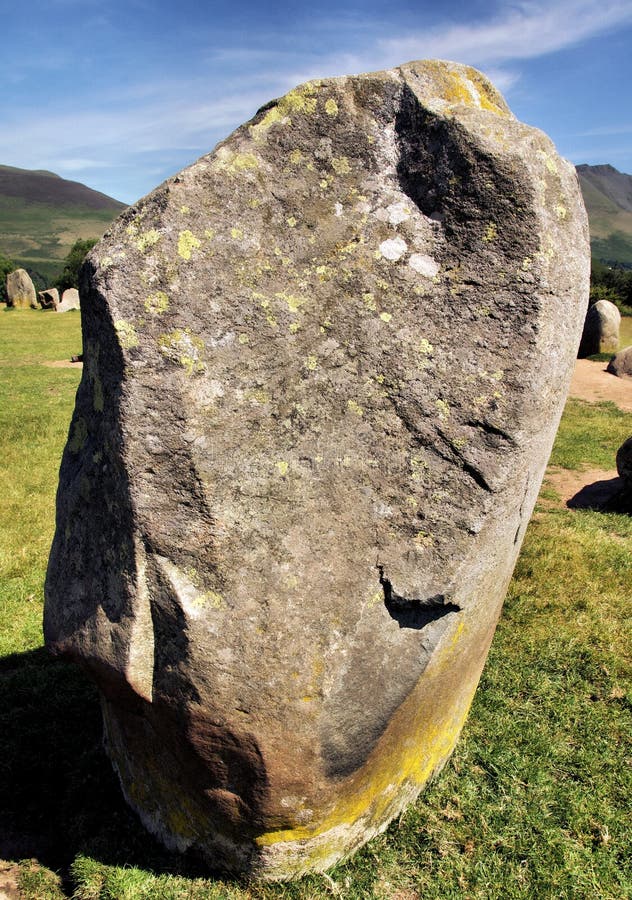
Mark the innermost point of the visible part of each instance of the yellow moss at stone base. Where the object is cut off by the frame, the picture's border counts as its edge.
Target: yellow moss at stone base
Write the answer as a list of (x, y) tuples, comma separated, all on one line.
[(418, 758)]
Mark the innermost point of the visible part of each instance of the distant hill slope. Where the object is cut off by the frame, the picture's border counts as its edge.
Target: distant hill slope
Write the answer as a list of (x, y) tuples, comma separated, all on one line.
[(608, 198), (42, 215)]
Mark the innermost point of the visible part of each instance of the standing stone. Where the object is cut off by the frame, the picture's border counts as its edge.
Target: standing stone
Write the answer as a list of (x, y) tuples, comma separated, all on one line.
[(49, 299), (323, 370), (20, 290), (601, 329), (621, 363), (624, 463), (69, 300)]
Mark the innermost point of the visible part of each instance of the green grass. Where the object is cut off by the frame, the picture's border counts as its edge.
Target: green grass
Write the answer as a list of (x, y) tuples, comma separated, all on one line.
[(534, 802)]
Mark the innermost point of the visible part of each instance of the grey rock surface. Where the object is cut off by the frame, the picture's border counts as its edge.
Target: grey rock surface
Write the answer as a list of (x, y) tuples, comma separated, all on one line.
[(601, 329), (323, 370), (20, 290), (621, 363)]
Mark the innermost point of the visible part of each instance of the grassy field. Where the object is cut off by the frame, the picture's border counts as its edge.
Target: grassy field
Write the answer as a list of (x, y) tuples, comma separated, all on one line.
[(534, 803)]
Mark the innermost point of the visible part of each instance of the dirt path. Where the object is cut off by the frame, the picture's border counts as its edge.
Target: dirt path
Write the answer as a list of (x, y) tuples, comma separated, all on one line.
[(591, 488), (591, 382)]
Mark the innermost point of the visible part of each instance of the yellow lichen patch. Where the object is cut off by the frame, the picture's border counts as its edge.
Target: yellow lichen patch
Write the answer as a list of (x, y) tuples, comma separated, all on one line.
[(243, 339), (376, 598), (147, 240), (340, 165), (294, 303), (235, 163), (418, 468), (157, 303), (282, 466), (209, 233), (355, 408), (491, 233), (210, 599), (369, 301), (294, 327), (292, 221), (325, 273), (236, 234), (127, 335), (561, 211), (425, 347), (331, 107), (296, 157), (187, 243), (443, 408), (312, 363), (185, 210), (386, 316), (259, 396), (184, 348)]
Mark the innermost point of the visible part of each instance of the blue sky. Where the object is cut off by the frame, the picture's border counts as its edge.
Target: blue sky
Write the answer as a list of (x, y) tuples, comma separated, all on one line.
[(120, 94)]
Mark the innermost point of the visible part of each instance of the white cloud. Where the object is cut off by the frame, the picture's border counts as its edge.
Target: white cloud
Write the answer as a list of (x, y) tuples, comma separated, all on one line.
[(524, 31)]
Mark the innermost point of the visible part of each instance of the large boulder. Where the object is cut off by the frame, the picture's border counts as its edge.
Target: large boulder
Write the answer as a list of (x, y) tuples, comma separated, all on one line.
[(601, 329), (323, 370), (20, 290), (621, 363)]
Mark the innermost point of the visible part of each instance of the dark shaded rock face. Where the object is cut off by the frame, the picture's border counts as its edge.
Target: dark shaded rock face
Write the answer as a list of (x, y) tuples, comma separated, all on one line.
[(323, 370), (601, 329), (624, 463)]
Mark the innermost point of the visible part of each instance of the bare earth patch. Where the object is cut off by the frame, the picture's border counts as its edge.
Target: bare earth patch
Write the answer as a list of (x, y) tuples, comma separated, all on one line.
[(591, 382), (62, 364), (590, 488)]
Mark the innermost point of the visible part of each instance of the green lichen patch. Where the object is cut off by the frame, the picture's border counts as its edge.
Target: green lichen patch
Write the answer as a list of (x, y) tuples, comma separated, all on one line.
[(79, 435)]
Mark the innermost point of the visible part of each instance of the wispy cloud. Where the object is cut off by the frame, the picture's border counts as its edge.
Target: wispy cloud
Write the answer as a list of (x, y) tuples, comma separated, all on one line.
[(524, 31)]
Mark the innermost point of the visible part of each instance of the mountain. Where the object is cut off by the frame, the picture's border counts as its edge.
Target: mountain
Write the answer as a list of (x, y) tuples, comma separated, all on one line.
[(42, 215), (608, 198)]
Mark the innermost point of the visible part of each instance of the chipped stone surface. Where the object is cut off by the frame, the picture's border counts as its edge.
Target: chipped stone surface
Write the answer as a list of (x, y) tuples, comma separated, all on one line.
[(323, 370)]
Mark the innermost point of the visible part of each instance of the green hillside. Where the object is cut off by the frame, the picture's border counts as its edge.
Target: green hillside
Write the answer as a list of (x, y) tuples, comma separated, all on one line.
[(42, 215), (608, 198)]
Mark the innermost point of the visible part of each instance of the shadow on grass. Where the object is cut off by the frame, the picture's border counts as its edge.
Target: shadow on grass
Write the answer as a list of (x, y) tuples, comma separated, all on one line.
[(59, 795)]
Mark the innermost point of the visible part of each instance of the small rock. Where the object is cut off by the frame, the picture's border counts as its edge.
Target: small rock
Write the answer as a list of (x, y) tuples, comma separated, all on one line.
[(69, 300), (49, 299), (624, 463)]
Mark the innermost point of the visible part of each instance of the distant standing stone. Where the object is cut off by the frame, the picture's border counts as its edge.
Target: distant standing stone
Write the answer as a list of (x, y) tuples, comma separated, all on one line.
[(621, 364), (323, 370), (601, 329), (49, 299), (20, 290), (69, 300)]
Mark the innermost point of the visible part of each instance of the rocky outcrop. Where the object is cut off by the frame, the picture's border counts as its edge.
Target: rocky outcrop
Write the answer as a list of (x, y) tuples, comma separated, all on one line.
[(20, 290), (323, 370), (601, 329), (49, 299), (621, 363)]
